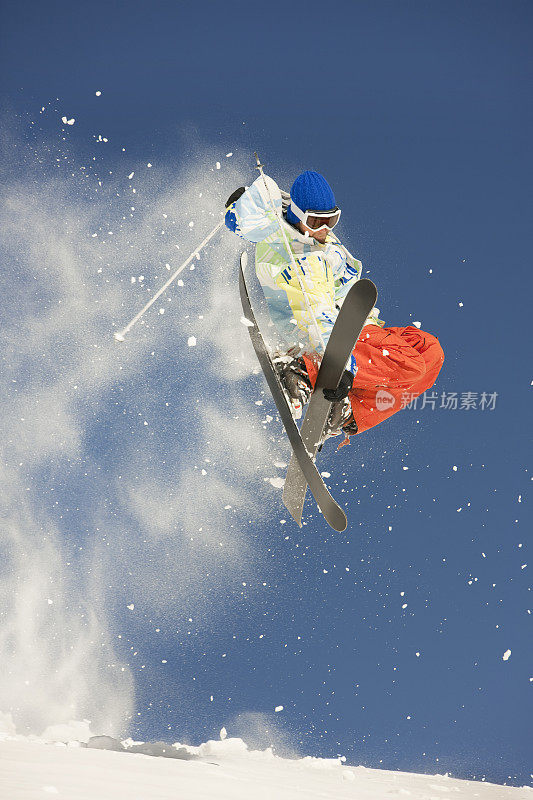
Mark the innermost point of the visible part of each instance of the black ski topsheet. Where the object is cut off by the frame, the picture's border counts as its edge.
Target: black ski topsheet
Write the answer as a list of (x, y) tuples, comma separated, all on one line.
[(355, 309), (333, 513)]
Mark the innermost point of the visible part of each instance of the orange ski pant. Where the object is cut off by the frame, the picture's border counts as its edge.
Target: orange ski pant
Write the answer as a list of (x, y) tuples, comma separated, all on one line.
[(395, 365)]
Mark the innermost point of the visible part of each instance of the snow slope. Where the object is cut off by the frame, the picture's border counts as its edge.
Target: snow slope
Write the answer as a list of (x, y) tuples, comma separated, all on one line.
[(216, 770)]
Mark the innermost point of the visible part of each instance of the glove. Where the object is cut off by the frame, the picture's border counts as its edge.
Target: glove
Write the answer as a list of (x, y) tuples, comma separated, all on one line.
[(341, 392), (230, 220)]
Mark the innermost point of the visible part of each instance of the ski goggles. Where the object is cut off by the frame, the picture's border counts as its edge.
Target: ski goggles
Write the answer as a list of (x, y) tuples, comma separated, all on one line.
[(316, 220)]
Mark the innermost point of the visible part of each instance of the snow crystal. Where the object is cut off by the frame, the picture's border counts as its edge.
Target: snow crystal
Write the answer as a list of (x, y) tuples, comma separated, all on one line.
[(191, 341), (506, 655)]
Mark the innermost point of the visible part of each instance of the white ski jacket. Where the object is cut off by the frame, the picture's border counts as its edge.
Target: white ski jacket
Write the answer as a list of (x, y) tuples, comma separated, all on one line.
[(326, 270)]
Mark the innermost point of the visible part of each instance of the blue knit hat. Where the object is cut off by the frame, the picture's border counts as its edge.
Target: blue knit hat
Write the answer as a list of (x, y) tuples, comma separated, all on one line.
[(311, 192)]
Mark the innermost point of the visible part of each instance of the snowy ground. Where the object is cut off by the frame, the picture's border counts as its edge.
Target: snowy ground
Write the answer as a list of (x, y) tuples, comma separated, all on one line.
[(216, 770)]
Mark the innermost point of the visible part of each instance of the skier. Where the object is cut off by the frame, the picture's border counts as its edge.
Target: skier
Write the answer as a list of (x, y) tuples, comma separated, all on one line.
[(387, 364)]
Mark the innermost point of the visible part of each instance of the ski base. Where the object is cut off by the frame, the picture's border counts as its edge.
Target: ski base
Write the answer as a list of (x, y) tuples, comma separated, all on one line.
[(332, 512), (354, 312)]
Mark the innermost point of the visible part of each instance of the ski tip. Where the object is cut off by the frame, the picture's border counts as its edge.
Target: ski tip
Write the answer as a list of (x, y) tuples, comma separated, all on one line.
[(369, 287), (244, 259), (335, 517)]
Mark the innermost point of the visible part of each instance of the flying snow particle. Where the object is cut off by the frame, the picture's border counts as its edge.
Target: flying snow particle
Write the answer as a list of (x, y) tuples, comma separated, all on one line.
[(191, 341), (326, 474), (385, 352), (278, 708), (98, 94), (229, 155), (277, 483), (506, 656), (161, 310), (247, 322), (66, 121), (131, 606), (460, 305), (218, 164), (417, 324), (130, 176), (223, 733)]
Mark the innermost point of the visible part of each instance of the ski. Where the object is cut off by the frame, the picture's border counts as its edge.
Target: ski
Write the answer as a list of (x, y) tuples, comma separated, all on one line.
[(332, 512), (355, 309)]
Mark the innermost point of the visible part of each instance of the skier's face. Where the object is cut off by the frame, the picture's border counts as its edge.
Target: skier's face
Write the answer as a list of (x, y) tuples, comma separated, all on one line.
[(320, 236)]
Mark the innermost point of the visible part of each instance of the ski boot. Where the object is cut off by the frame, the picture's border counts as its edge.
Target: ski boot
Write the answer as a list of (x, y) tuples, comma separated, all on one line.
[(294, 380), (340, 420)]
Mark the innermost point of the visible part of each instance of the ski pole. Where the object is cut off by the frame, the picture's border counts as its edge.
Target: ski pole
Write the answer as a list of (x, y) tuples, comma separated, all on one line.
[(291, 255), (119, 335)]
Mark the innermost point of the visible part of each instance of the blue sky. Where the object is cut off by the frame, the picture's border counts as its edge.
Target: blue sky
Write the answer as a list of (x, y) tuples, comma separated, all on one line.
[(419, 114)]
